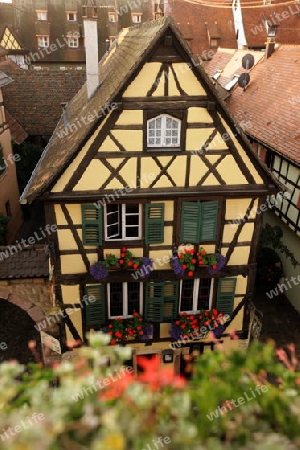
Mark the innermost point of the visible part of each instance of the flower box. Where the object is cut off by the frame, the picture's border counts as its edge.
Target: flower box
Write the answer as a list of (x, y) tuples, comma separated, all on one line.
[(189, 260), (126, 261)]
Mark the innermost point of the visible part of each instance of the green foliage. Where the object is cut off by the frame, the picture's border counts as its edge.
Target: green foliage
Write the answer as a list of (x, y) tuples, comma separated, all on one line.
[(29, 156), (272, 237), (132, 411), (3, 228)]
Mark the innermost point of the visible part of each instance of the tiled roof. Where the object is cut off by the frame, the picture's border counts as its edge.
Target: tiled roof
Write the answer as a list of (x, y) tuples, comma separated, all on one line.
[(31, 262), (115, 70), (195, 19), (229, 61), (18, 134), (4, 79), (271, 103), (287, 16), (34, 98)]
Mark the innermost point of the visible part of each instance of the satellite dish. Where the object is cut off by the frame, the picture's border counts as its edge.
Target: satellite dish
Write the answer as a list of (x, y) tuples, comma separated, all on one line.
[(243, 80), (248, 61)]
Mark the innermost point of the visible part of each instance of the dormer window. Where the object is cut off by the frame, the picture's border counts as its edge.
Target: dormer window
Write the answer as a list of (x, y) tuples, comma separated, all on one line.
[(42, 15), (136, 17), (112, 17), (72, 16), (163, 131), (43, 41)]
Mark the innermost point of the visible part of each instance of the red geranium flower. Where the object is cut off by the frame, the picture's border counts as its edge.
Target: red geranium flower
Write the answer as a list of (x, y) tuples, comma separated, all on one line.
[(190, 273)]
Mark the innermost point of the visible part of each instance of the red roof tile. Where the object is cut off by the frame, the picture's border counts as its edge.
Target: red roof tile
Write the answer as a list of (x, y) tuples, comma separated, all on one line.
[(286, 15), (271, 103)]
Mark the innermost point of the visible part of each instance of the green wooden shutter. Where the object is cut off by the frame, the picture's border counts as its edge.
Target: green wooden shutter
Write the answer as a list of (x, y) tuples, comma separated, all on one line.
[(154, 302), (154, 223), (170, 300), (209, 220), (225, 295), (91, 225), (2, 165), (190, 222), (95, 310)]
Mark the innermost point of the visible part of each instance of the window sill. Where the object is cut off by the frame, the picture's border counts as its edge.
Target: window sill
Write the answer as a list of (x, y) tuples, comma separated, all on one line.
[(164, 149)]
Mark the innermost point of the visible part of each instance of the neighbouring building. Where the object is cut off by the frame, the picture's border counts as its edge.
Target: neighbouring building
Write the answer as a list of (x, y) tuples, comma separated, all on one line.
[(269, 110), (160, 169), (9, 190)]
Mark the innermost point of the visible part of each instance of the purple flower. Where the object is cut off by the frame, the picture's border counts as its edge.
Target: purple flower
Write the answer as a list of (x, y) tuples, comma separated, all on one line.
[(146, 268), (98, 271), (176, 266), (221, 261), (175, 332), (148, 331)]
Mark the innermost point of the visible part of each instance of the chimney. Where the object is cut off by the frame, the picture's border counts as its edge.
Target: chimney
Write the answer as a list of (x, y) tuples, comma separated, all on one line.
[(270, 44), (90, 16)]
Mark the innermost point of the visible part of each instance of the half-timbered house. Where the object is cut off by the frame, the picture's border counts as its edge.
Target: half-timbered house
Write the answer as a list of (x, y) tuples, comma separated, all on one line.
[(153, 162)]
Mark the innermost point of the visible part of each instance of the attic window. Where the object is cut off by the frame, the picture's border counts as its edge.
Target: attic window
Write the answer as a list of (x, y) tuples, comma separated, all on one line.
[(136, 17), (72, 16), (231, 83), (112, 17), (168, 41), (214, 42), (43, 41), (42, 14), (163, 131), (217, 74)]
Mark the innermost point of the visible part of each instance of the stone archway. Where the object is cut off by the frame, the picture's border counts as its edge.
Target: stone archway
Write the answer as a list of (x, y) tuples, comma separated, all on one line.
[(17, 326)]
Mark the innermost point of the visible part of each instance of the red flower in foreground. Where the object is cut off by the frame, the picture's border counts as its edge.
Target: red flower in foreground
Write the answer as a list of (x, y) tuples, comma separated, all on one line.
[(190, 273), (117, 388), (156, 376)]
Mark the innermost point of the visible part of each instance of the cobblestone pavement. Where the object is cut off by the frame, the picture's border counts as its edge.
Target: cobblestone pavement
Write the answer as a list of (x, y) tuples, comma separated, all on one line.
[(281, 321)]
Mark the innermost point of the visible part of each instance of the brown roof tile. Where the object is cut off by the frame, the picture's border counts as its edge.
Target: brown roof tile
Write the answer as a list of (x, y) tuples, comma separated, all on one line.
[(271, 102), (31, 262), (34, 98)]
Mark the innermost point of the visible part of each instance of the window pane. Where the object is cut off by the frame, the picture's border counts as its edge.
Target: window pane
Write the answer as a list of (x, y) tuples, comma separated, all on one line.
[(175, 124), (116, 299), (168, 141), (168, 133), (151, 125), (203, 295), (151, 141), (132, 232), (186, 303), (132, 208), (168, 122), (158, 122), (151, 133), (133, 290)]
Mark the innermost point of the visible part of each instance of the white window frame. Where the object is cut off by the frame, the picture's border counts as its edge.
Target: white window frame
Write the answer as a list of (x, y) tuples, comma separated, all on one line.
[(137, 16), (196, 286), (46, 39), (122, 224), (125, 301), (74, 40), (163, 136), (112, 17), (42, 14), (75, 16)]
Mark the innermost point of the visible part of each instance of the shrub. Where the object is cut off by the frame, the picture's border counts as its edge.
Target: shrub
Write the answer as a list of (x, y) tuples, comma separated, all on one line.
[(131, 411)]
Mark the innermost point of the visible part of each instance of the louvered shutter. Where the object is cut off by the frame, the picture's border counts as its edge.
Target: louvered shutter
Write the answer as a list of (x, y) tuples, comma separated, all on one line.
[(154, 302), (154, 223), (95, 311), (91, 225), (170, 300), (225, 295), (190, 222), (208, 220)]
